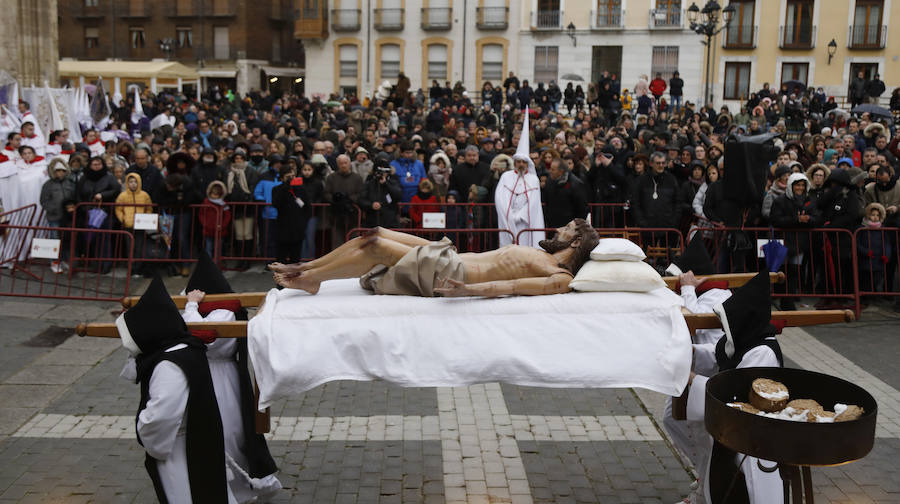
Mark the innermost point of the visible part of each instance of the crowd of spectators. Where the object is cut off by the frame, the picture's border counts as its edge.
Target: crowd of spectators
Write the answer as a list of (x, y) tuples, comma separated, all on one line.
[(661, 159)]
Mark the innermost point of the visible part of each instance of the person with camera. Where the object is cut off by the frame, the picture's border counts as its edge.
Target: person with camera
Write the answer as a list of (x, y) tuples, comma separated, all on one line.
[(380, 195), (342, 189)]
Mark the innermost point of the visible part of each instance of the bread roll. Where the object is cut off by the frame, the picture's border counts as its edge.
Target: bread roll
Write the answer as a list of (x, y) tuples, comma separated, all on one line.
[(745, 407), (851, 413), (768, 395)]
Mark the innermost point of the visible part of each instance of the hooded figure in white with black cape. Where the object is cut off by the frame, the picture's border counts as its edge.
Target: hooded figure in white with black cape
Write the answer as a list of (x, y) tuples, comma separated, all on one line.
[(518, 197), (749, 341)]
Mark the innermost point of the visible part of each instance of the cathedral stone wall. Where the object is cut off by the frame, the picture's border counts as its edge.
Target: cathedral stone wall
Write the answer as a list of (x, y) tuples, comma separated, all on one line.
[(29, 41)]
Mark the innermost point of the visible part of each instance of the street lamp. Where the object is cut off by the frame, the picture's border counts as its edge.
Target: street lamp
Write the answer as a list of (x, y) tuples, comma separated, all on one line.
[(832, 48), (706, 22), (571, 33), (167, 46)]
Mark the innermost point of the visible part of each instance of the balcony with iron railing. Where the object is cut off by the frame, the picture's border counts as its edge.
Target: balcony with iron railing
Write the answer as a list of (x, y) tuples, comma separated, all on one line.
[(82, 11), (311, 23), (740, 36), (802, 37), (608, 20), (135, 10), (437, 18), (666, 18), (345, 20), (492, 18), (867, 37), (547, 20), (388, 19)]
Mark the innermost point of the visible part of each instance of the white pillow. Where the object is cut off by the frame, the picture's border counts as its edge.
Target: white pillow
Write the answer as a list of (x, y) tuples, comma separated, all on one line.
[(616, 276), (617, 249)]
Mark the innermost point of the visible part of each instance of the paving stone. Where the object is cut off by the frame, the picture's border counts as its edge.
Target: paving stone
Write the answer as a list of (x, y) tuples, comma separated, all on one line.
[(48, 375)]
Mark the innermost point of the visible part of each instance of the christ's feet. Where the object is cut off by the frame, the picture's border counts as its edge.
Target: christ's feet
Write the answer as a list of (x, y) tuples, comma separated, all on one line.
[(297, 267), (297, 281)]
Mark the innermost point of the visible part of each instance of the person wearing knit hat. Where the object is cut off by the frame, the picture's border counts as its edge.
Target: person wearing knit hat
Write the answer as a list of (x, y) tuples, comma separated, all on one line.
[(829, 156), (873, 249), (779, 186)]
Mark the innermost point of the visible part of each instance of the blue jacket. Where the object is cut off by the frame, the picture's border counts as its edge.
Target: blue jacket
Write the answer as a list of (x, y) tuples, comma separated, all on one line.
[(410, 172), (263, 192)]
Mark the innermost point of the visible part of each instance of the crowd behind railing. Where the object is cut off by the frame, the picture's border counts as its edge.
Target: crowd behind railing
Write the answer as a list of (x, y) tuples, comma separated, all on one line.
[(263, 177)]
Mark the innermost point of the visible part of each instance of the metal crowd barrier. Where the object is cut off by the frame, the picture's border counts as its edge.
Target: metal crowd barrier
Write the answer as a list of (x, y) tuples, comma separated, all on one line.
[(878, 257), (102, 278)]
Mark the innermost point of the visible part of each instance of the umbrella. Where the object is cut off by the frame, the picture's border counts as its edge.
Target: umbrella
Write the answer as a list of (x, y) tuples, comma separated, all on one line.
[(572, 77), (837, 112), (333, 103), (872, 109), (794, 86)]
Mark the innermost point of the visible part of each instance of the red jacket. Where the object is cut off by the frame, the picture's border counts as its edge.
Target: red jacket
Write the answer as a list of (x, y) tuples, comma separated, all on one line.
[(657, 87), (207, 215), (419, 206)]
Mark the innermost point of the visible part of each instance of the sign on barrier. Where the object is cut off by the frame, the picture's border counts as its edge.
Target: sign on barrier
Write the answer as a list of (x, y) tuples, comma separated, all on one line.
[(434, 220), (45, 248), (146, 222)]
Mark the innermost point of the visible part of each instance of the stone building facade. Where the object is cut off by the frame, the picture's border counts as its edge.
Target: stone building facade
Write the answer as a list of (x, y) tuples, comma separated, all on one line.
[(29, 41)]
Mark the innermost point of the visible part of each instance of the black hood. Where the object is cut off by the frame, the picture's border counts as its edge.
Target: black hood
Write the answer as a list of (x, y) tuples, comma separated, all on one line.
[(746, 319), (695, 258), (154, 323), (208, 277)]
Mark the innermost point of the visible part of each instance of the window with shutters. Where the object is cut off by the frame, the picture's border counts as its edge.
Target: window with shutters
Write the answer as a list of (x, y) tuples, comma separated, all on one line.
[(741, 31), (665, 61), (546, 63), (867, 31), (737, 81), (437, 62), (798, 29), (491, 62), (390, 61), (184, 36), (91, 37), (349, 55), (795, 72), (136, 35)]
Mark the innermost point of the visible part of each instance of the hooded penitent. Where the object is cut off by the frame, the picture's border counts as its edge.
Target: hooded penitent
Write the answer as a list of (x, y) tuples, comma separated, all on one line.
[(518, 198), (148, 330), (208, 278), (695, 258), (746, 319)]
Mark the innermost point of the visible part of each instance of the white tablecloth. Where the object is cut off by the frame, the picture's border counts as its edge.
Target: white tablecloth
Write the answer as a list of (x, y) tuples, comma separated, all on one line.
[(577, 340)]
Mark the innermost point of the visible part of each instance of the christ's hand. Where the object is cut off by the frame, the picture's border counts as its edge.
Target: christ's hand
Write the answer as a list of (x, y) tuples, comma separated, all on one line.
[(689, 279), (447, 287), (195, 296)]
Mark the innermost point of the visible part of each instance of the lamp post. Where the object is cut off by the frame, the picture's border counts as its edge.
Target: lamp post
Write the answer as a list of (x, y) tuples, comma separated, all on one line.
[(706, 22), (832, 48), (167, 46), (571, 32)]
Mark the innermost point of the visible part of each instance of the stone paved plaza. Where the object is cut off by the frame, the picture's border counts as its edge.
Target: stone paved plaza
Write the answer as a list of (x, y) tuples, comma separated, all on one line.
[(67, 426)]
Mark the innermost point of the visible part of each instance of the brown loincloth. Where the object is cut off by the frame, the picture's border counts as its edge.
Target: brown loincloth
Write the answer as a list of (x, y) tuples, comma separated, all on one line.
[(417, 273)]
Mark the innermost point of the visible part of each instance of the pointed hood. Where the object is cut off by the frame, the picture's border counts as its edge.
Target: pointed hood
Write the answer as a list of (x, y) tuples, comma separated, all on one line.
[(154, 323), (523, 150), (746, 319), (138, 112), (695, 258), (208, 277)]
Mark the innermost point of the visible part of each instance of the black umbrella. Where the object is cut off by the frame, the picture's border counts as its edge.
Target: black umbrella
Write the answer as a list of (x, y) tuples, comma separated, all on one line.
[(872, 109), (794, 86)]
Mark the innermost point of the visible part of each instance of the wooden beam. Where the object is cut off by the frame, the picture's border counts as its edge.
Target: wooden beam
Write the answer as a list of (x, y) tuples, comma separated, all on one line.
[(254, 299), (235, 329), (733, 279), (247, 299)]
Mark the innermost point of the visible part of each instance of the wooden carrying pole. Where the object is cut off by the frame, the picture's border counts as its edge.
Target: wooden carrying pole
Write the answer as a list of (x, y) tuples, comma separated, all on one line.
[(253, 299)]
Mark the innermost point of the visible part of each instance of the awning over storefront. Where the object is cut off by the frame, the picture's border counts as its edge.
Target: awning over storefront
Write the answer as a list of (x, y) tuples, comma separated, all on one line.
[(218, 72), (283, 71), (127, 69)]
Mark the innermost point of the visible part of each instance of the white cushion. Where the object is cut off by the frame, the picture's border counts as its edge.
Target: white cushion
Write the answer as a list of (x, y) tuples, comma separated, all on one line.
[(617, 249), (612, 276)]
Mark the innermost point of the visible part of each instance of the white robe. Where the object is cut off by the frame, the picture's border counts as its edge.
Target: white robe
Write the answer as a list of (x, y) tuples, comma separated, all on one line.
[(518, 202), (53, 150), (762, 487), (221, 354), (37, 143), (162, 429), (29, 117), (18, 188), (704, 304)]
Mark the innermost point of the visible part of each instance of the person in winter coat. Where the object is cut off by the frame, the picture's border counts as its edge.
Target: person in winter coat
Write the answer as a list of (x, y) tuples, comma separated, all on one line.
[(886, 192), (151, 178), (409, 171), (439, 171), (858, 89), (687, 192), (874, 249), (55, 191), (794, 209), (239, 184), (423, 201), (565, 196), (294, 210), (554, 95), (525, 95), (817, 174), (213, 205), (379, 197), (268, 230), (207, 170), (655, 199), (133, 200), (842, 208), (779, 186), (569, 97), (658, 87), (98, 186)]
